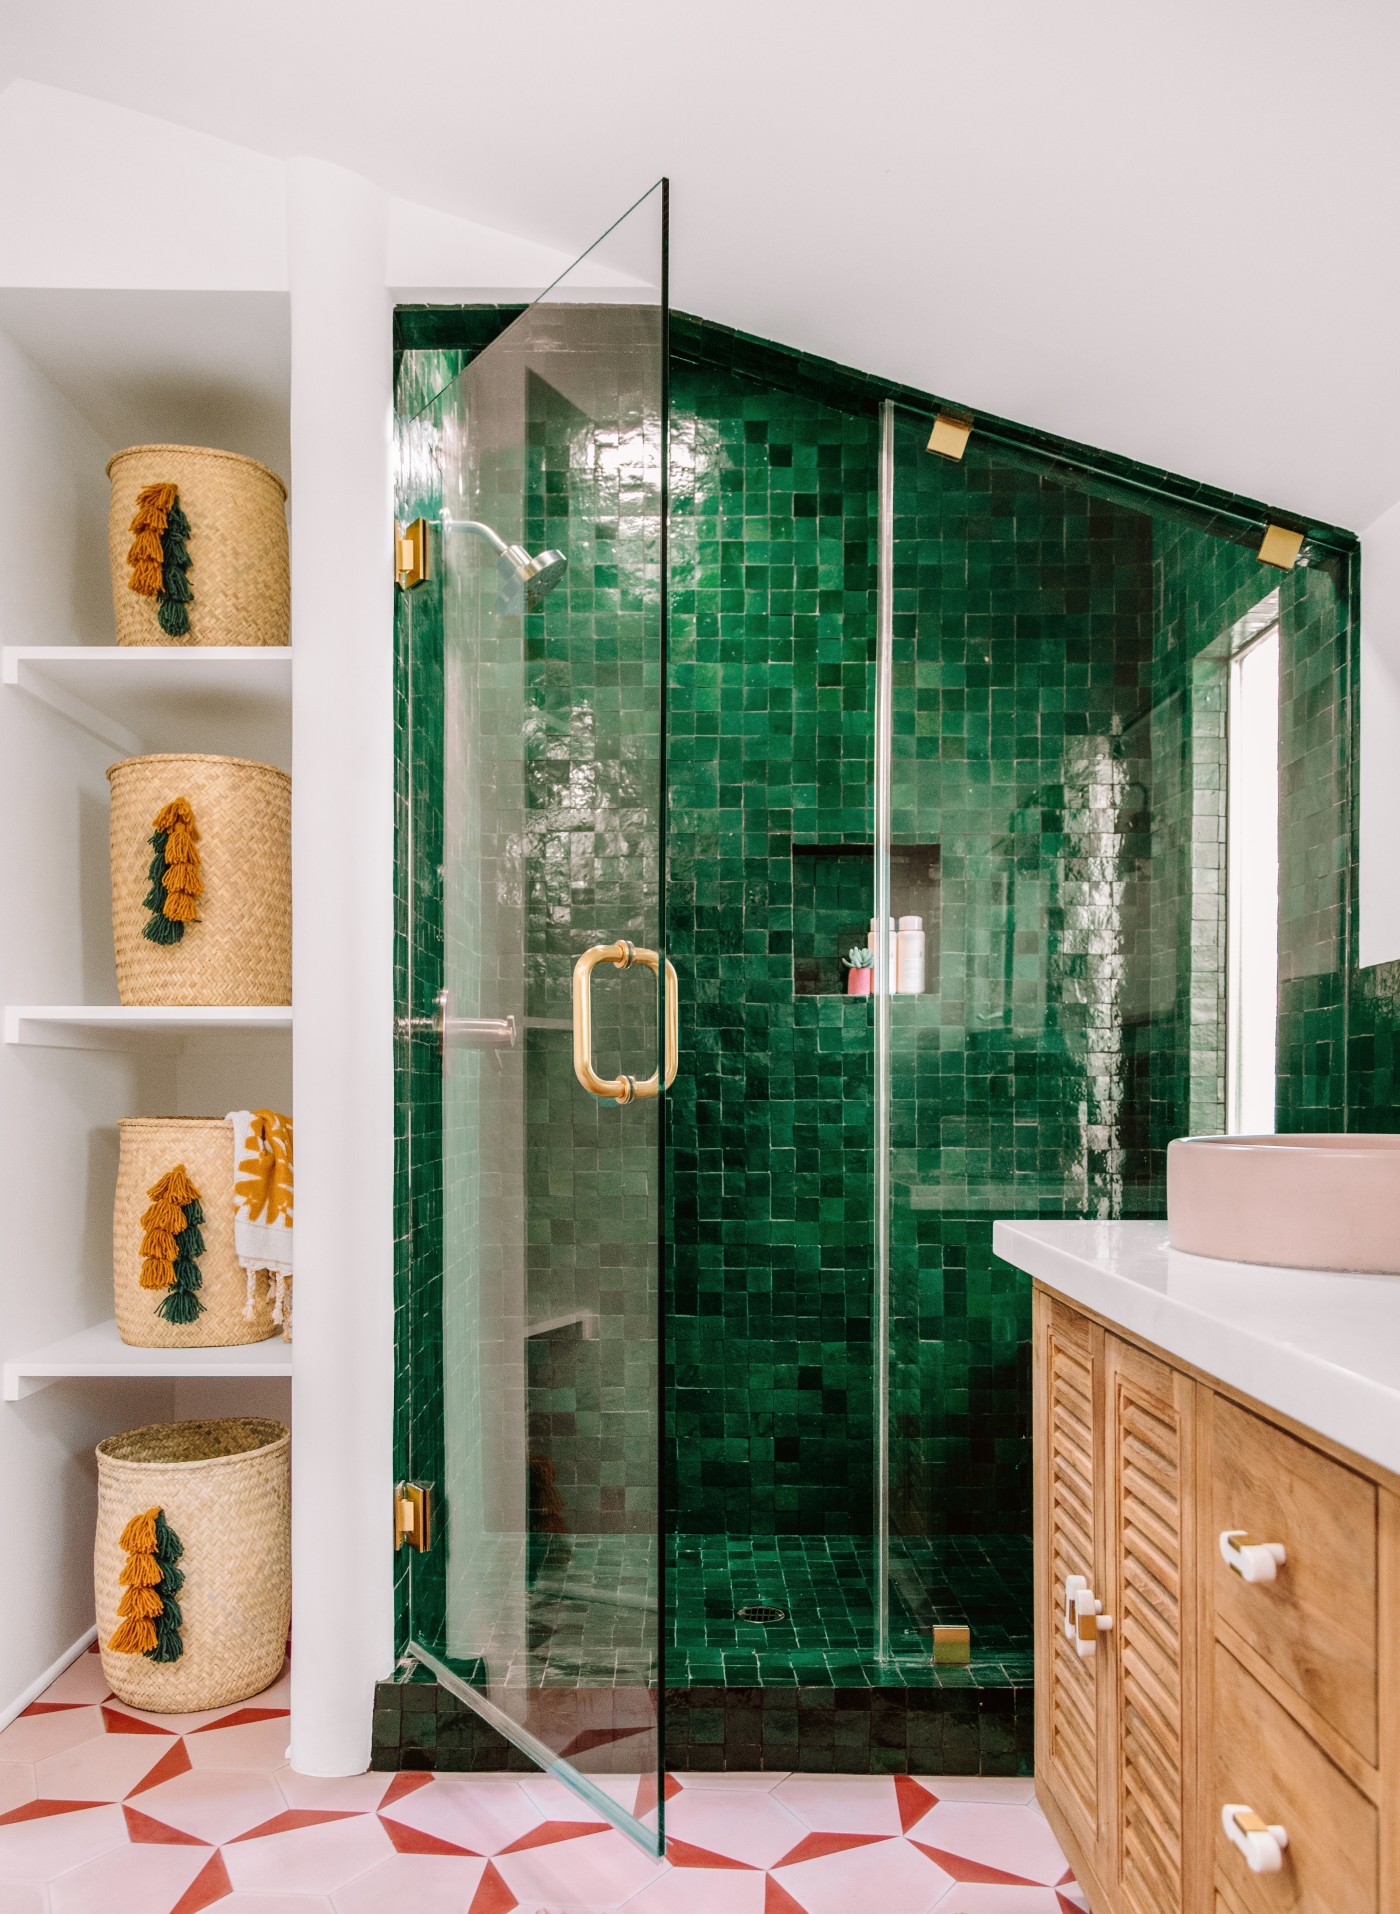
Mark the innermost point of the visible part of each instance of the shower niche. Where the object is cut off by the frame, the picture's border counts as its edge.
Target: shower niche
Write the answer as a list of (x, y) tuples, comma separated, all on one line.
[(833, 892)]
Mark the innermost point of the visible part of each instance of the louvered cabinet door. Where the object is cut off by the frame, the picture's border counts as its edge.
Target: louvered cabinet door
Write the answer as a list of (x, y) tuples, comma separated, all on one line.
[(1071, 1722), (1152, 1589)]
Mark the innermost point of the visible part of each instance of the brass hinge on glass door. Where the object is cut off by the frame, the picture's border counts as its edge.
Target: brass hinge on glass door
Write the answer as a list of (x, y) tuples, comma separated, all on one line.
[(621, 1089), (411, 554), (413, 1516)]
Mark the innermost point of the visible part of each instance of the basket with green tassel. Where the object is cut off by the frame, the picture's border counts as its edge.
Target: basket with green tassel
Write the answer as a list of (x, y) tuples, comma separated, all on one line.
[(198, 544), (201, 880), (192, 1562), (177, 1282)]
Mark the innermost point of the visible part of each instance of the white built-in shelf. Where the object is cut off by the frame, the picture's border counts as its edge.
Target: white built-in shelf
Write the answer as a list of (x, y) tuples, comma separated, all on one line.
[(100, 1351), (119, 1026), (233, 699)]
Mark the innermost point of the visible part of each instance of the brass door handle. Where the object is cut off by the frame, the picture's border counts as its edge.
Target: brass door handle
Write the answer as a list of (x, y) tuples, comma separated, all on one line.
[(624, 955)]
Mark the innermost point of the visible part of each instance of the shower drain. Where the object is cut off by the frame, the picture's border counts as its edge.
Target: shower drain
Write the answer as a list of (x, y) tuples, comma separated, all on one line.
[(762, 1612)]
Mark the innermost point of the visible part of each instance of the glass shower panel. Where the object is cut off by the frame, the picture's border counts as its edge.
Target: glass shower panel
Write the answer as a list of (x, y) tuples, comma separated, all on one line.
[(540, 1602), (1061, 650)]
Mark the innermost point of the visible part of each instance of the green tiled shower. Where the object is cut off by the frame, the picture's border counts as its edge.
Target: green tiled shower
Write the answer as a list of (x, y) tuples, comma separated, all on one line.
[(1062, 628)]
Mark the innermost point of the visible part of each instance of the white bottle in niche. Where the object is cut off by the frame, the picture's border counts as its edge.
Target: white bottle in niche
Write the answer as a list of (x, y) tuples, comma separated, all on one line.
[(909, 957), (875, 983)]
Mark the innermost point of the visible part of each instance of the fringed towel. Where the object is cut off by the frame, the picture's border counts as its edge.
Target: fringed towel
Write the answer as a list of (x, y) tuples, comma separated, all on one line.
[(262, 1206)]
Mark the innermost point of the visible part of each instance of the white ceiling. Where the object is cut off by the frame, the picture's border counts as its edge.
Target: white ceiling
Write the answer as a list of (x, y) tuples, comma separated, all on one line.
[(1166, 227)]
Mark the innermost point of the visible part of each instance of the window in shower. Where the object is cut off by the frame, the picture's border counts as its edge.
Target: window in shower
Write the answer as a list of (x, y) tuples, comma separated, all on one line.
[(1252, 874)]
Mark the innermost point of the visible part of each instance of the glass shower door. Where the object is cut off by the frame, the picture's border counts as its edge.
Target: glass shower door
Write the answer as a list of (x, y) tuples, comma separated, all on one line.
[(539, 1603)]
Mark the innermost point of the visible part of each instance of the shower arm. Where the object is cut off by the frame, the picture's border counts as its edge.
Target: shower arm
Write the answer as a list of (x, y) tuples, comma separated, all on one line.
[(483, 531)]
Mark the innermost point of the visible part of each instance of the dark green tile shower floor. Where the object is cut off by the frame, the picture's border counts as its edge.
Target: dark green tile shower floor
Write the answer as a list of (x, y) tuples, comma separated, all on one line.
[(589, 1618), (826, 1586)]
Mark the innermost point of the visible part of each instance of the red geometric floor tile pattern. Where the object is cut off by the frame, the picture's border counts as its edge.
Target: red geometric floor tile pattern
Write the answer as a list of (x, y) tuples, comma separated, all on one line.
[(105, 1809)]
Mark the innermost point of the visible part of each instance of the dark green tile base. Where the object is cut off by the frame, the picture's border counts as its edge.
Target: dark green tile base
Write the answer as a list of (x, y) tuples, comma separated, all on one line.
[(825, 1730)]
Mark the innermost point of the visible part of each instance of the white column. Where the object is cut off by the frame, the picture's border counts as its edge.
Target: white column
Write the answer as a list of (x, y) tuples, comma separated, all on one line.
[(342, 861)]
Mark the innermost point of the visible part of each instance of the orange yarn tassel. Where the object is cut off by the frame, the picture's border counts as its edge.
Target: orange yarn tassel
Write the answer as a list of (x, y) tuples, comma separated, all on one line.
[(153, 501), (157, 1272), (145, 579), (178, 811), (145, 549), (164, 1215), (141, 1602), (140, 1532), (158, 1244), (136, 1636), (180, 906), (141, 1571), (175, 1185)]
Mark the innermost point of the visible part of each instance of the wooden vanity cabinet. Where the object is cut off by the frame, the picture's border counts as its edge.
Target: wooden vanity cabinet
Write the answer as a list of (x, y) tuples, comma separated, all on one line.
[(1168, 1685)]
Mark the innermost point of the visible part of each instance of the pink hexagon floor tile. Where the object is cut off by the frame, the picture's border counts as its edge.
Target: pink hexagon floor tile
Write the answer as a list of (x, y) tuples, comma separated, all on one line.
[(102, 1768), (1013, 1840), (18, 1899), (16, 1784), (745, 1825), (1003, 1790), (842, 1804), (216, 1804), (250, 1745), (40, 1732), (314, 1855), (556, 1801), (275, 1904), (699, 1891), (475, 1815), (52, 1838), (137, 1880), (598, 1868), (878, 1874), (971, 1899), (423, 1883), (354, 1793), (82, 1680)]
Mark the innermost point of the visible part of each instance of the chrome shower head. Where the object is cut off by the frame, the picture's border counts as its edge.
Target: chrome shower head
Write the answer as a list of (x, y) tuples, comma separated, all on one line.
[(526, 580), (537, 576)]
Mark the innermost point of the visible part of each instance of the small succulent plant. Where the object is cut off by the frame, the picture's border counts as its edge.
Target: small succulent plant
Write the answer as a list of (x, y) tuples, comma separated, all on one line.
[(858, 958)]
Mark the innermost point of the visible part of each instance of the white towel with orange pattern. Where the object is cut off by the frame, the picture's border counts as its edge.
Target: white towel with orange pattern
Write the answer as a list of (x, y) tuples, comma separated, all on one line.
[(262, 1203)]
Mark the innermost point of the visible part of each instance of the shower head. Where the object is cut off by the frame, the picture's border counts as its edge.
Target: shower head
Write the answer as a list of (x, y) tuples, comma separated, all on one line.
[(526, 580), (529, 578)]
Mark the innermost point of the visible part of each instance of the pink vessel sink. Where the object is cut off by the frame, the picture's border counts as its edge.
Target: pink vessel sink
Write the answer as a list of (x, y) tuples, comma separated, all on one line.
[(1301, 1202)]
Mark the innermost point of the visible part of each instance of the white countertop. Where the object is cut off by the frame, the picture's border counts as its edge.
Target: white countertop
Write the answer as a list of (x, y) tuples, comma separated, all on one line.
[(1320, 1347)]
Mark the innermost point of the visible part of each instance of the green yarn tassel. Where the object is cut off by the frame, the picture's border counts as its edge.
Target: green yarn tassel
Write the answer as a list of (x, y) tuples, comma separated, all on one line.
[(180, 1307), (169, 1646), (161, 929), (175, 591), (181, 1304)]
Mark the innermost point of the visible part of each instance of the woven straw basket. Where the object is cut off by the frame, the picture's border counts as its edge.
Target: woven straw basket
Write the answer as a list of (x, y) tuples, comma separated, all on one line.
[(150, 1147), (240, 949), (225, 1490), (239, 576)]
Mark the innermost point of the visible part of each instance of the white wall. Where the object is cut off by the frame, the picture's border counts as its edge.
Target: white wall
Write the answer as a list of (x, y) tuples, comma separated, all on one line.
[(60, 1107), (343, 973), (1380, 740)]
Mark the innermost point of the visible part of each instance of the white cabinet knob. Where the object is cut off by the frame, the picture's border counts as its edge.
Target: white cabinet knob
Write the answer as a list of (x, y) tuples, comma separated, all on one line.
[(1260, 1842), (1085, 1620), (1251, 1559)]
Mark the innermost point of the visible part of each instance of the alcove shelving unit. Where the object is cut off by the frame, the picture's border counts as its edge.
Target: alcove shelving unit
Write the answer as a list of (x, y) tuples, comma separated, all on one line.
[(82, 374)]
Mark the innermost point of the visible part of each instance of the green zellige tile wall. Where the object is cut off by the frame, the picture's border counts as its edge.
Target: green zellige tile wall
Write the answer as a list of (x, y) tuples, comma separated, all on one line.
[(1061, 638)]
